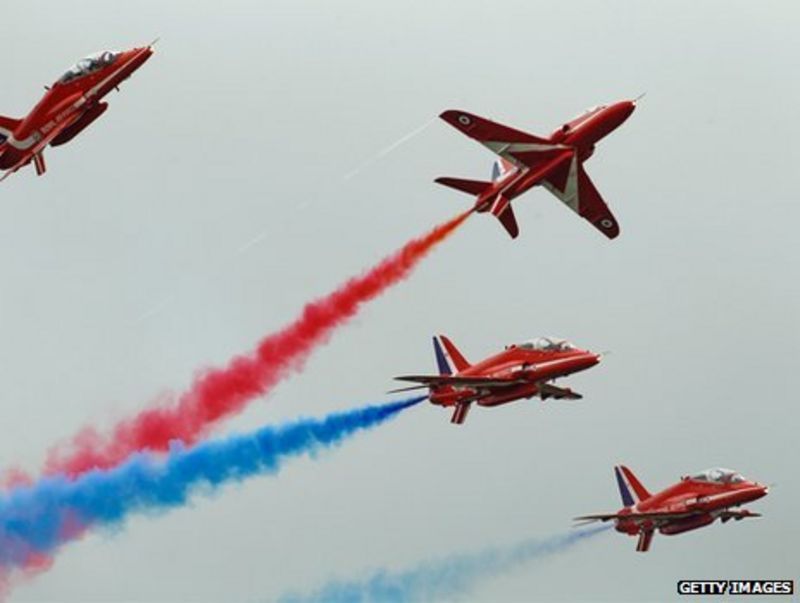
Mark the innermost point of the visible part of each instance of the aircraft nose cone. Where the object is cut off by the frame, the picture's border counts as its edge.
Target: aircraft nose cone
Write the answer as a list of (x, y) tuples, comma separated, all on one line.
[(136, 57), (627, 107), (146, 52), (590, 358), (756, 491)]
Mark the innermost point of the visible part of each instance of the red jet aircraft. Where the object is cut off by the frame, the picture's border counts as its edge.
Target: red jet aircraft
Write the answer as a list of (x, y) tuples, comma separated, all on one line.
[(67, 108), (694, 502), (520, 371), (527, 160)]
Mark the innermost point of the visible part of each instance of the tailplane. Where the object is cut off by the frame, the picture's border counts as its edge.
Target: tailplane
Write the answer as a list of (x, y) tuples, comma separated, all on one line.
[(501, 209), (500, 206), (471, 187)]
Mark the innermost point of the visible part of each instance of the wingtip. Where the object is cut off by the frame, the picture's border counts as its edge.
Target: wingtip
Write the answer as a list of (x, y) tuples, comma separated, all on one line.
[(411, 378), (458, 118), (583, 520), (406, 389)]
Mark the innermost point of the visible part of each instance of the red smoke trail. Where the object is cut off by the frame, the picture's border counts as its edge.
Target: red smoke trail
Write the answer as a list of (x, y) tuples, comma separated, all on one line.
[(218, 393)]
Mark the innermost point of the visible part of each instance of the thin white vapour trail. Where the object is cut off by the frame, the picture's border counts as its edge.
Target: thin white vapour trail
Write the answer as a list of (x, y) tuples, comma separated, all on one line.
[(377, 157), (251, 243), (382, 153), (154, 309), (262, 236)]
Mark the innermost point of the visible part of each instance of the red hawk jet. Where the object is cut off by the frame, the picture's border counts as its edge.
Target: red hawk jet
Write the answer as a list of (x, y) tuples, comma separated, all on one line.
[(72, 103), (694, 502), (520, 371), (555, 162)]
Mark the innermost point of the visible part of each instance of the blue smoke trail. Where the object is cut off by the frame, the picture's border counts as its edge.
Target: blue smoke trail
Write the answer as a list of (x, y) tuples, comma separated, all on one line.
[(443, 579), (40, 518)]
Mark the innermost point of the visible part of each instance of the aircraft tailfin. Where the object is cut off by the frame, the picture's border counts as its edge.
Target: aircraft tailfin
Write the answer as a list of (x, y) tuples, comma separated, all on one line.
[(471, 187), (500, 168), (448, 359), (7, 127), (631, 489)]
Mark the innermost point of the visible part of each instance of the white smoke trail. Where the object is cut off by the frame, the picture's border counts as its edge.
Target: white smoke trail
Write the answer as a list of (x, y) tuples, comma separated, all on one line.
[(383, 152), (263, 235), (443, 579)]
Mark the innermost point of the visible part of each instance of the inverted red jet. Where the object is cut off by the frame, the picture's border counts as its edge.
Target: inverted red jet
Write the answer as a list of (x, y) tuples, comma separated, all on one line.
[(555, 162), (520, 371), (694, 502), (72, 103)]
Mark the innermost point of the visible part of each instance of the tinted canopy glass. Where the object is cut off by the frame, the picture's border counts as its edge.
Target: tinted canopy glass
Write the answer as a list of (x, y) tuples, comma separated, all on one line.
[(549, 344), (718, 475), (89, 64)]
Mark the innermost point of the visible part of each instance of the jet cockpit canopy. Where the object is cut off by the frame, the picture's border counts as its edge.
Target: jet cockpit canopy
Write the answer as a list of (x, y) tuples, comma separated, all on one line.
[(718, 475), (89, 64), (548, 344)]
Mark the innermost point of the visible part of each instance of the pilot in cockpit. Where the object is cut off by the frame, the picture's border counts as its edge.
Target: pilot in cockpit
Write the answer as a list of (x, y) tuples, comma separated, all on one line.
[(89, 64)]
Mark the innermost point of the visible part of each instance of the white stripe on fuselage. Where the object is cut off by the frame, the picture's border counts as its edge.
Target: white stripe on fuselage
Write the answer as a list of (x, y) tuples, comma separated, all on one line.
[(537, 365), (25, 144), (504, 150)]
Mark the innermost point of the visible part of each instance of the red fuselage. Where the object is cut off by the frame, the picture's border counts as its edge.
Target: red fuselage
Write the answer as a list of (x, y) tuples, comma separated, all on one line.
[(70, 105), (701, 501), (527, 368), (582, 133)]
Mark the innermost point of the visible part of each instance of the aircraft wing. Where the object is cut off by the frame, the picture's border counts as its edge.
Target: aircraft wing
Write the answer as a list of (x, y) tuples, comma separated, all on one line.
[(737, 514), (434, 380), (524, 150), (548, 390), (646, 516), (571, 184)]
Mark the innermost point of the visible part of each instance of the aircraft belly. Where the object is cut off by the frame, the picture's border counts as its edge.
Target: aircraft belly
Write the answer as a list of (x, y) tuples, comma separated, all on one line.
[(685, 525), (506, 395), (80, 124)]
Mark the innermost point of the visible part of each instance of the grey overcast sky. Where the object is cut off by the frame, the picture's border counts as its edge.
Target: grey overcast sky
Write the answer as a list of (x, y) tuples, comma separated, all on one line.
[(121, 277)]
